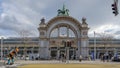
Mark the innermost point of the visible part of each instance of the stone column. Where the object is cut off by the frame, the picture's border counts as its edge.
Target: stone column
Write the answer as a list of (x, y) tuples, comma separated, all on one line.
[(49, 53), (67, 55), (77, 56), (84, 49), (58, 31), (58, 54), (44, 49), (79, 49), (67, 31)]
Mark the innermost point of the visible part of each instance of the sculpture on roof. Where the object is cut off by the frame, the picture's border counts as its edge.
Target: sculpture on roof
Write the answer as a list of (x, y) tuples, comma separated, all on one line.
[(63, 12)]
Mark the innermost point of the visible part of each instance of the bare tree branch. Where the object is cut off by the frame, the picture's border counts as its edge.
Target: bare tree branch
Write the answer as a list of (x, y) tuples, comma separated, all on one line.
[(25, 37), (106, 39)]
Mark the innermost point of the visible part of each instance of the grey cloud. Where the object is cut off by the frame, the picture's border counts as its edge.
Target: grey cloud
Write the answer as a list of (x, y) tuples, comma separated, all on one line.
[(109, 30), (17, 15), (9, 23), (117, 33), (27, 13), (97, 12)]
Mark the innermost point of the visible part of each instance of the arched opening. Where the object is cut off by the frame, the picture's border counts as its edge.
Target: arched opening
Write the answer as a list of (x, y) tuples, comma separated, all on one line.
[(62, 32), (60, 37)]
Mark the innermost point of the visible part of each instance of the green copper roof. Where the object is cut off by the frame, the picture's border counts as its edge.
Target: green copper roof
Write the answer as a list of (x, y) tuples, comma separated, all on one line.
[(63, 11)]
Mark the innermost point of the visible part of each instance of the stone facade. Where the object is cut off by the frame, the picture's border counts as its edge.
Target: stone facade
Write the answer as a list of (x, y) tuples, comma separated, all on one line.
[(80, 31)]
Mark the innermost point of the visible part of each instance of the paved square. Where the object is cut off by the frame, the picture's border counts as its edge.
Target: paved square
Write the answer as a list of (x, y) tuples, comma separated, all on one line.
[(70, 66)]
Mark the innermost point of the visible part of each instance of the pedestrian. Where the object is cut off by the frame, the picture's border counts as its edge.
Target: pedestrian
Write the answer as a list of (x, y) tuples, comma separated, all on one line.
[(32, 58), (104, 57), (101, 57), (89, 57), (107, 57), (80, 58), (65, 57), (62, 57)]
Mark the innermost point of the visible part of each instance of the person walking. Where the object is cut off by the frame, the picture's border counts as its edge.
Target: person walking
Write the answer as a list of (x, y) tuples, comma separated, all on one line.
[(80, 58), (63, 57)]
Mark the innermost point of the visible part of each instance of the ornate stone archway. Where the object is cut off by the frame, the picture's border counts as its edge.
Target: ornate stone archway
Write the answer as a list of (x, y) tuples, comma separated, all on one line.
[(47, 43)]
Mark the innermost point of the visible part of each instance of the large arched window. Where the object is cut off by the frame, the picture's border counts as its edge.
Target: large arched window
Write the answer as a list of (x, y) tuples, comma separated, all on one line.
[(62, 32), (54, 33), (71, 33)]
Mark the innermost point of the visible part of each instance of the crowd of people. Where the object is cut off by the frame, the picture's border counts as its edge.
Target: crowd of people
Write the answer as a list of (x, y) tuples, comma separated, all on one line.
[(106, 57), (63, 57)]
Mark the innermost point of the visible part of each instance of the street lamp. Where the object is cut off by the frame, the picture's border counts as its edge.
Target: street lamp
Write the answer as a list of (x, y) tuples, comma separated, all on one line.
[(94, 46), (6, 51), (1, 47)]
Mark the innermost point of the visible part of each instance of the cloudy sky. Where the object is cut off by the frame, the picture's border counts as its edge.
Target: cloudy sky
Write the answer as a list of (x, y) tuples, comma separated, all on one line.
[(17, 15)]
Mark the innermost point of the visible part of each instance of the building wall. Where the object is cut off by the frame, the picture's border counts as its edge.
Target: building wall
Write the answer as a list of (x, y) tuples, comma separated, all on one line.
[(34, 48)]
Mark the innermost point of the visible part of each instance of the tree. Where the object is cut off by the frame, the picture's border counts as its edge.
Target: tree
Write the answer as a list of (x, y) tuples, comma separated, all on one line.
[(25, 38), (106, 39)]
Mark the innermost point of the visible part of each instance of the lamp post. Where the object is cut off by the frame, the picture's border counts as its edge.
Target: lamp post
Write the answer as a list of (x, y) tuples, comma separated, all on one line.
[(1, 48), (94, 46), (6, 51)]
